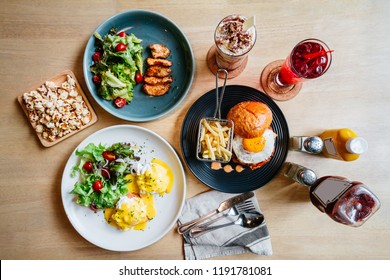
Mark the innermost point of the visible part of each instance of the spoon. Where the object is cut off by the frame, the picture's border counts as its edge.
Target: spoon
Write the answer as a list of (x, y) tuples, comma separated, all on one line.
[(246, 220)]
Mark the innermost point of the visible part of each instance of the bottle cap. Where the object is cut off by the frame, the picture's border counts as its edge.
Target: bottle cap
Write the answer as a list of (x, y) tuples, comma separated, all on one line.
[(357, 145)]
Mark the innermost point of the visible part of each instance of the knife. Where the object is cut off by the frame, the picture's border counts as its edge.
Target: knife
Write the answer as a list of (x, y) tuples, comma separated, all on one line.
[(222, 207)]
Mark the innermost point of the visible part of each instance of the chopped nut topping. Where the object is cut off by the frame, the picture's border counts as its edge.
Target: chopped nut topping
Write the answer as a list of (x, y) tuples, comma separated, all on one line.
[(56, 111)]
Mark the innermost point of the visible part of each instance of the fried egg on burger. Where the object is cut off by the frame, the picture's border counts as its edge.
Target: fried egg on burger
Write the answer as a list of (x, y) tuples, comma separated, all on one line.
[(254, 140)]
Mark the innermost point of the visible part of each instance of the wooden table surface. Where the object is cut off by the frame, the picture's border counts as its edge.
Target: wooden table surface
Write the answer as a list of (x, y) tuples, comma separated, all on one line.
[(41, 38)]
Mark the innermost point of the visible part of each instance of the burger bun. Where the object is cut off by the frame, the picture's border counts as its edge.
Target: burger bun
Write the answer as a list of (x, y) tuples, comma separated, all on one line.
[(251, 118)]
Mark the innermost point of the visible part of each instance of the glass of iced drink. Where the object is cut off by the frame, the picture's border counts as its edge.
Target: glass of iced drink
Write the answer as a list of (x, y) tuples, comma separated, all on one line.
[(309, 59), (233, 41)]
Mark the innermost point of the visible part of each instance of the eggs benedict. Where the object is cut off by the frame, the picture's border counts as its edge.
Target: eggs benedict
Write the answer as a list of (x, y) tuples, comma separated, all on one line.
[(254, 140), (135, 210), (130, 213), (157, 178)]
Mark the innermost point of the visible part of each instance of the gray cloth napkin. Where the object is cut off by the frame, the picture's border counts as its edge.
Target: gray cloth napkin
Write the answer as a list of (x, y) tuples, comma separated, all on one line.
[(229, 240)]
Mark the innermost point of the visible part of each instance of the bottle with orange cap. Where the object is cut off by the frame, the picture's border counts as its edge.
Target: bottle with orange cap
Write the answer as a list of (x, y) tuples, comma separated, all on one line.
[(343, 144)]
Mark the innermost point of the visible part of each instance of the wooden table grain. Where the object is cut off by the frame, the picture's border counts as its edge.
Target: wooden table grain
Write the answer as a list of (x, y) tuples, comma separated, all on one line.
[(41, 38)]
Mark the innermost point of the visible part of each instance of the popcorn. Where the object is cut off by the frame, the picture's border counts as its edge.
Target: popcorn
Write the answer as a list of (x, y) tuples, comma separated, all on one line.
[(56, 111)]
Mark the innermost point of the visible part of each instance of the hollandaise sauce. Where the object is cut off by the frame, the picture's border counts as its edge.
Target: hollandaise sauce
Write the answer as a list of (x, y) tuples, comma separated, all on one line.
[(157, 179), (135, 210)]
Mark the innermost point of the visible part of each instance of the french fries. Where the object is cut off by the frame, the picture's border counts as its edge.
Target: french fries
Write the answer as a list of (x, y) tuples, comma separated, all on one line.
[(214, 141)]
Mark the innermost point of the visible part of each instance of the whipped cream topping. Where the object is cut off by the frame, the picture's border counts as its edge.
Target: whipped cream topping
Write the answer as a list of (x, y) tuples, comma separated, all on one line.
[(231, 38)]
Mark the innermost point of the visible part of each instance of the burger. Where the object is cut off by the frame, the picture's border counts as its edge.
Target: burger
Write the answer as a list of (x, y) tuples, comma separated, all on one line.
[(254, 140)]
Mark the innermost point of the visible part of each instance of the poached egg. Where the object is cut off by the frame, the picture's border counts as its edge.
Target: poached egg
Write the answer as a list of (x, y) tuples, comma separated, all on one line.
[(135, 210)]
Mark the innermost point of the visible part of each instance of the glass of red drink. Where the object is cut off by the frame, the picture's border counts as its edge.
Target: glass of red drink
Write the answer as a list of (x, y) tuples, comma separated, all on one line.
[(309, 59)]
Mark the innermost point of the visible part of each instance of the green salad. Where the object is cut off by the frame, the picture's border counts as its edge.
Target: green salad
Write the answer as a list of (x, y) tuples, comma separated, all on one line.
[(117, 61), (102, 174)]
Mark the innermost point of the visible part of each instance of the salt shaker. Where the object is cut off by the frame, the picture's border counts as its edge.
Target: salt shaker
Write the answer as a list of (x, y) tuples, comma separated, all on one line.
[(300, 174), (307, 144)]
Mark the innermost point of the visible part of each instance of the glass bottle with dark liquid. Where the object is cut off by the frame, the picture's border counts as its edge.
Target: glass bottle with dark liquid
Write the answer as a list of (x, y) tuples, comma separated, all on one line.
[(347, 202)]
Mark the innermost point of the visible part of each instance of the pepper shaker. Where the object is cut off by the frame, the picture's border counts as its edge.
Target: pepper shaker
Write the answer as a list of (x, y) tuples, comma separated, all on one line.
[(300, 174), (307, 144)]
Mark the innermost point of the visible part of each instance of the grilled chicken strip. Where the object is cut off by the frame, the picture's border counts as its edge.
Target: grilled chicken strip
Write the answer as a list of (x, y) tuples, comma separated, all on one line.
[(156, 81), (156, 90), (159, 51), (158, 71), (158, 61)]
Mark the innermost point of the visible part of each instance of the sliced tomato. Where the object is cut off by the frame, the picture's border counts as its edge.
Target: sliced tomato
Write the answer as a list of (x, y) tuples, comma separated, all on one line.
[(120, 102), (109, 155)]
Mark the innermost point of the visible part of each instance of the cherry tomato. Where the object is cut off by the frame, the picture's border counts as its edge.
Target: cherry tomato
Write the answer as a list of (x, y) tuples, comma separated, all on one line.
[(109, 155), (96, 79), (97, 185), (138, 78), (97, 56), (120, 47), (88, 166), (120, 102), (106, 173), (122, 34)]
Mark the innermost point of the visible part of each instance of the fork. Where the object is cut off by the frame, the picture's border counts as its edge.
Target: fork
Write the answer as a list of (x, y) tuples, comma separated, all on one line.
[(245, 206)]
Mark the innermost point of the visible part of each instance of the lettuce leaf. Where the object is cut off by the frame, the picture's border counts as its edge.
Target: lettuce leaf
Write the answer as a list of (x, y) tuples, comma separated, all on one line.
[(92, 152), (118, 69), (113, 187)]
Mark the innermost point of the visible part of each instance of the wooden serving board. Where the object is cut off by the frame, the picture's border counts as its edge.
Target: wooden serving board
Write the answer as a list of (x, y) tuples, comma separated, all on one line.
[(58, 80)]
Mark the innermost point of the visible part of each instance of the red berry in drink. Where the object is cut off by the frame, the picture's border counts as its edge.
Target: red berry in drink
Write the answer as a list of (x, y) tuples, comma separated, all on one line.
[(304, 62)]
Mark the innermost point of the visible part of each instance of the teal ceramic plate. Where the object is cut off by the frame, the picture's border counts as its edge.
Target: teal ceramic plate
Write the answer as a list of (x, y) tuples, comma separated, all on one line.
[(152, 28)]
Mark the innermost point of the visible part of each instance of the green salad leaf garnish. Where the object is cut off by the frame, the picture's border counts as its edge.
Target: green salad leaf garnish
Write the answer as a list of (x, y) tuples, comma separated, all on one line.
[(107, 164), (117, 69)]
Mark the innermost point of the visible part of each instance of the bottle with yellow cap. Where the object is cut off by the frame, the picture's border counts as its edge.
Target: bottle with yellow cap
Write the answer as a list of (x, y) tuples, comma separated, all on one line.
[(343, 144)]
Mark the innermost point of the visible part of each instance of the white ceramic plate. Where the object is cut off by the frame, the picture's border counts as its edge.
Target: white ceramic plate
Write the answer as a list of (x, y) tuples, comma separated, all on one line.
[(93, 227)]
